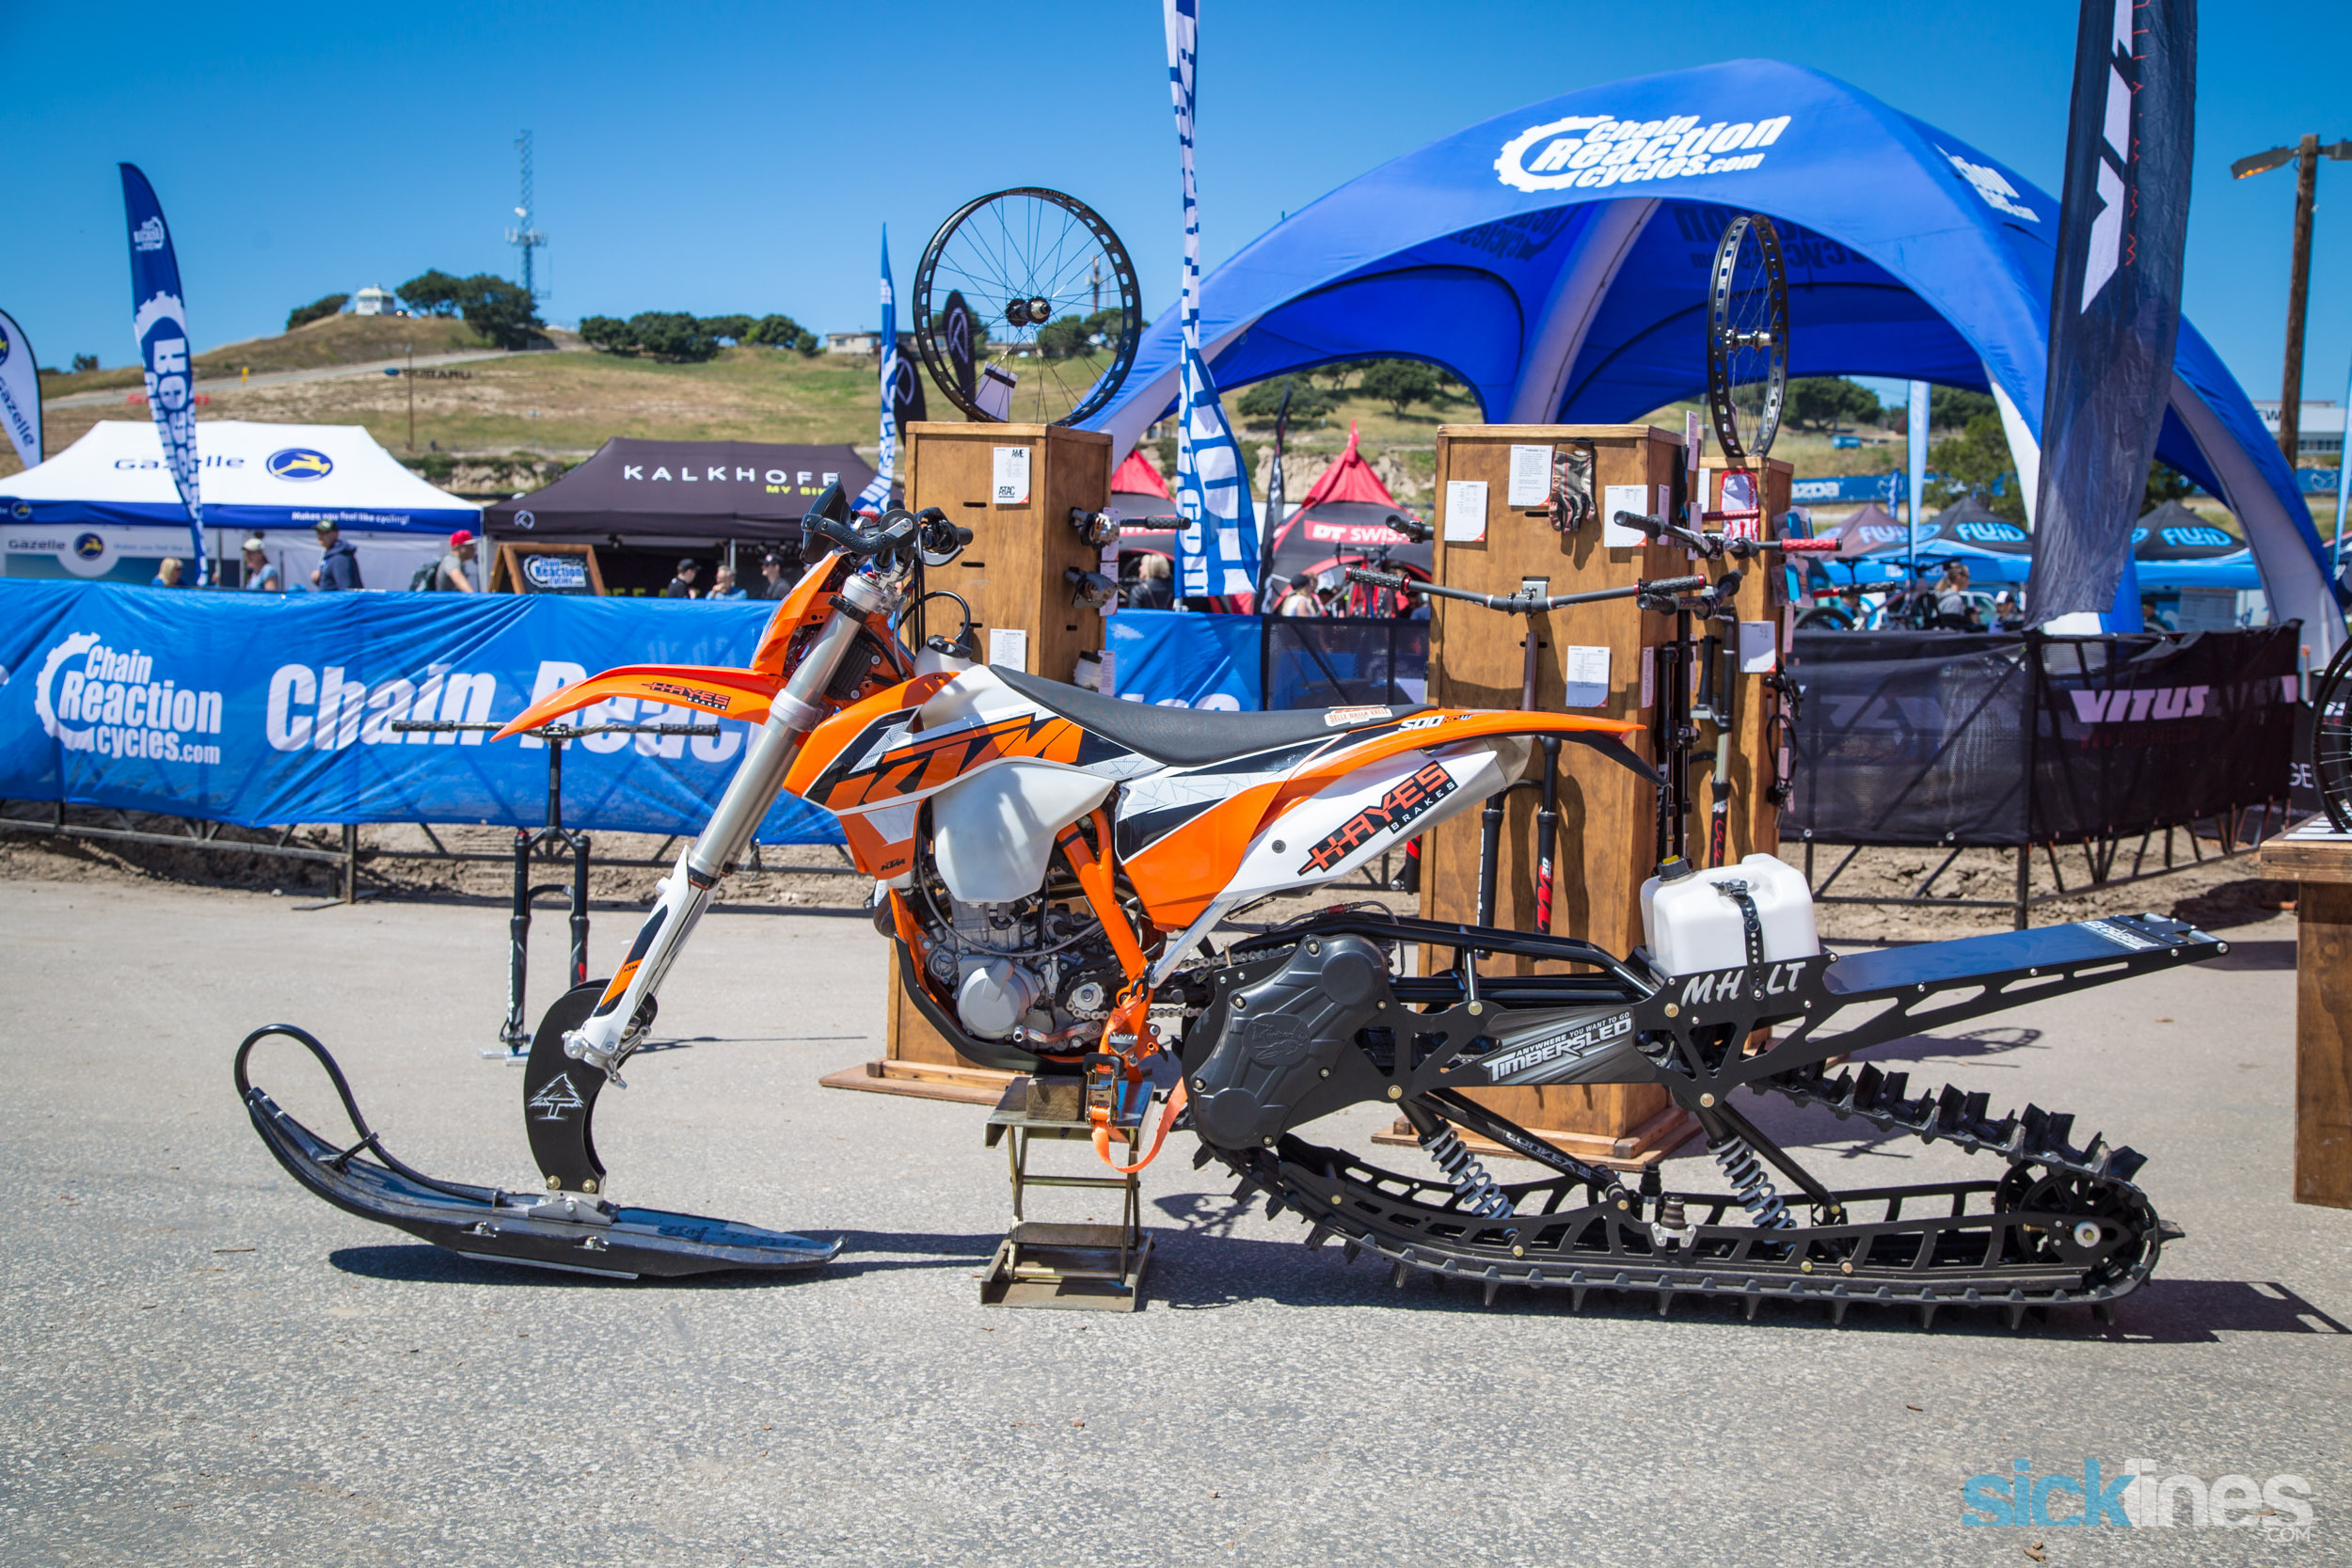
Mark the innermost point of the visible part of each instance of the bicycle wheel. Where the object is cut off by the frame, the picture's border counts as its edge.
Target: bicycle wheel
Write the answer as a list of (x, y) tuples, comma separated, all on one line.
[(1048, 298), (1747, 338), (2331, 740)]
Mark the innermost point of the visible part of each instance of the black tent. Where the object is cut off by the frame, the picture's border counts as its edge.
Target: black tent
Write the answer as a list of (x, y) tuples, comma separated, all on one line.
[(1969, 521), (2173, 532), (681, 493)]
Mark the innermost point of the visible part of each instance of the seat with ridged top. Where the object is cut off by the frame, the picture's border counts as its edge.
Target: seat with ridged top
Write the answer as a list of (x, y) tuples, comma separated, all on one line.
[(1192, 737)]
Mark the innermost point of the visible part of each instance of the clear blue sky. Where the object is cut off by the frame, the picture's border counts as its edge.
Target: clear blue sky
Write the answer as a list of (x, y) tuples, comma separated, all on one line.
[(716, 158)]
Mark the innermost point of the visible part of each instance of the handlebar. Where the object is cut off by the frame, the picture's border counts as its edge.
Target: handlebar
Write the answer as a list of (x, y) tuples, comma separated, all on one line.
[(1526, 604), (1714, 546)]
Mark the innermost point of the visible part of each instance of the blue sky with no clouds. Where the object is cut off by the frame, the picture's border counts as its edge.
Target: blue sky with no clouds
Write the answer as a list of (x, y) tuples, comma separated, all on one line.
[(728, 157)]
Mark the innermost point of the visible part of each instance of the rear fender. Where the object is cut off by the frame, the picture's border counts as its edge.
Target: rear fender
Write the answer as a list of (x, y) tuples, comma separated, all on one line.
[(722, 693)]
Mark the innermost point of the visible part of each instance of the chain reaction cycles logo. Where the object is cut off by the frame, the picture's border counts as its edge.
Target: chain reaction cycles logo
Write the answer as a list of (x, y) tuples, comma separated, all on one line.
[(90, 698), (1404, 803), (1590, 151)]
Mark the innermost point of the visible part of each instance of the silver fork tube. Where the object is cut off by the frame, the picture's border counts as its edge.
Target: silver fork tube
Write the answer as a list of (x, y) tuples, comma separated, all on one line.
[(603, 1040)]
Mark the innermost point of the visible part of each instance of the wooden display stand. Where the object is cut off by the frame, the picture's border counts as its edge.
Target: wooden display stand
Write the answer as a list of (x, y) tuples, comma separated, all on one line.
[(510, 571), (1011, 574), (2321, 861), (1607, 813)]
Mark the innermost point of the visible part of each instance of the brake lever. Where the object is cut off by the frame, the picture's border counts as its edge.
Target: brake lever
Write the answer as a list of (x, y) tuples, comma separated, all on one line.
[(939, 540)]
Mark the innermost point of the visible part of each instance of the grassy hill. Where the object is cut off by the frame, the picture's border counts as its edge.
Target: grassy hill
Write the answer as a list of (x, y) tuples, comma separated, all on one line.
[(336, 340)]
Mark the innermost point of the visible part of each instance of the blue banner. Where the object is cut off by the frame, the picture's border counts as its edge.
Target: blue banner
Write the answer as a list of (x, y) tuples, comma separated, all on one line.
[(159, 322), (1175, 659), (876, 496), (265, 708)]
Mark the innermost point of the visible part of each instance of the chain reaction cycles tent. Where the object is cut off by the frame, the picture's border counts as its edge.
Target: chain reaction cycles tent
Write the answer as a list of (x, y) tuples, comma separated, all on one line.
[(1555, 259)]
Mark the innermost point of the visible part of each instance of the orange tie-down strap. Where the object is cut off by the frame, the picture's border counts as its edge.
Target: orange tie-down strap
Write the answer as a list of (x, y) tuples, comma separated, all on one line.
[(1130, 1018), (1168, 1119)]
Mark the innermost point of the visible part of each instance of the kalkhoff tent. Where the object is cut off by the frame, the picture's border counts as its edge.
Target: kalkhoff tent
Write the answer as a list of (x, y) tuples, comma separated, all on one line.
[(105, 508), (1555, 260), (682, 492), (1344, 522)]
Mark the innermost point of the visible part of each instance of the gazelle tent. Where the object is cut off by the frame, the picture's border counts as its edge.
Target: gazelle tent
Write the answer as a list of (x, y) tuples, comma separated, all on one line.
[(1555, 260), (104, 509)]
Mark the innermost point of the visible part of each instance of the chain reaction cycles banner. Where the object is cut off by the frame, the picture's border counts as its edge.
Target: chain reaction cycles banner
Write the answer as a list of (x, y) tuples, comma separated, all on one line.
[(159, 322), (261, 709)]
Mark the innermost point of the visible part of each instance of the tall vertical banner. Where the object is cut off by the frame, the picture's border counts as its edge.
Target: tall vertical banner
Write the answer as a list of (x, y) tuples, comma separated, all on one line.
[(876, 496), (1216, 551), (2115, 305), (20, 391), (159, 322), (1915, 458)]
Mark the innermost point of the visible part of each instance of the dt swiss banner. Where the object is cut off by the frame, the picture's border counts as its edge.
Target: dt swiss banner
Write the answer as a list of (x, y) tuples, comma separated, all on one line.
[(159, 322), (262, 708), (2115, 305)]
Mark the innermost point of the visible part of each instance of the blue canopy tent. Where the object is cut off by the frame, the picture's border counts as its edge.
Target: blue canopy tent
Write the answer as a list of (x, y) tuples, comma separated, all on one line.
[(1555, 259)]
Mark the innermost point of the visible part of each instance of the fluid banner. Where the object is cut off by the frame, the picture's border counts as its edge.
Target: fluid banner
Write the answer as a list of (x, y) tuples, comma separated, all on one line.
[(159, 322), (261, 709)]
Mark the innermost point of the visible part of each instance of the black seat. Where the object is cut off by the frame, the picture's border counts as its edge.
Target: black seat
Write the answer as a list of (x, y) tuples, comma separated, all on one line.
[(1192, 737)]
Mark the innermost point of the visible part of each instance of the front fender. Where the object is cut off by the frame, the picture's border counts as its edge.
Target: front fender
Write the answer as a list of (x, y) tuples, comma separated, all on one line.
[(722, 693)]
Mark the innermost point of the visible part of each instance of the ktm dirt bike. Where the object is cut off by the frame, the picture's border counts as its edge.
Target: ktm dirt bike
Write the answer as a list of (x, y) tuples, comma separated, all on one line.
[(1054, 869)]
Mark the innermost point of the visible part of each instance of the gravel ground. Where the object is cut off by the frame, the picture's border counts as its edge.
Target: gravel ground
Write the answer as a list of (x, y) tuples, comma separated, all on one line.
[(200, 1363)]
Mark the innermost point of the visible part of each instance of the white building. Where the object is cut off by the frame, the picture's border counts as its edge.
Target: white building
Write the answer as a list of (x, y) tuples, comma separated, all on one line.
[(2318, 432), (372, 301)]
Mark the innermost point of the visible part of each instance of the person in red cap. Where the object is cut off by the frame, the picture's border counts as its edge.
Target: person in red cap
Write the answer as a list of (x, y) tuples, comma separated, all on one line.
[(451, 576)]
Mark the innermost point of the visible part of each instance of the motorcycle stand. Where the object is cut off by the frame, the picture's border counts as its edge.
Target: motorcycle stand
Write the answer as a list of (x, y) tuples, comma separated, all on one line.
[(1067, 1266)]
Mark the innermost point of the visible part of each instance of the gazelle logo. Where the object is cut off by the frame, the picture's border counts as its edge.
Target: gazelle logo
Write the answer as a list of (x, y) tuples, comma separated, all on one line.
[(299, 463), (5, 346), (1590, 151), (91, 698)]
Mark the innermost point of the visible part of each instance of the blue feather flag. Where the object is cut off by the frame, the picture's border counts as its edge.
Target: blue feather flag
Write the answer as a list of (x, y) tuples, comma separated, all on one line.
[(876, 496)]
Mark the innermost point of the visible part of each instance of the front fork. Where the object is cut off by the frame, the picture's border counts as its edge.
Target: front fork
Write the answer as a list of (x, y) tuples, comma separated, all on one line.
[(612, 1031)]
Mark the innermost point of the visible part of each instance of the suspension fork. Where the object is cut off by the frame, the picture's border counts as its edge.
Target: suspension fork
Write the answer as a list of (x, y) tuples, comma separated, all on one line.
[(607, 1038)]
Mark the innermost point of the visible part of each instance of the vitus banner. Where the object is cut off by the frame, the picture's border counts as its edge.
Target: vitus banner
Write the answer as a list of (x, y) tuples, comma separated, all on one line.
[(260, 710), (159, 322), (2115, 305)]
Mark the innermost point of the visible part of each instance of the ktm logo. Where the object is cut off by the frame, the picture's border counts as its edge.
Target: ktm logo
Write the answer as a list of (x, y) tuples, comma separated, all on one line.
[(927, 763), (1404, 803)]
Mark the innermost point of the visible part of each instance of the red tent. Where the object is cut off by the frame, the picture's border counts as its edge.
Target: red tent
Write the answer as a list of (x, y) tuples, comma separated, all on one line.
[(1343, 522), (1137, 486)]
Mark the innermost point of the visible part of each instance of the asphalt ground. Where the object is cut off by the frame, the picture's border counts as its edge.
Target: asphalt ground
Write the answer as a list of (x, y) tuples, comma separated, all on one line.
[(200, 1363)]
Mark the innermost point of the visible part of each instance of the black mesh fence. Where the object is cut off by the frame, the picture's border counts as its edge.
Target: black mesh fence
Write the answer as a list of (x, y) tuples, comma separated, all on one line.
[(1319, 661), (1999, 739)]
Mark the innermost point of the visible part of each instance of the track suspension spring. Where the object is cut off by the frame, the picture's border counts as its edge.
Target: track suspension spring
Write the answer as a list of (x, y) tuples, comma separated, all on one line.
[(1745, 1173), (1469, 1180)]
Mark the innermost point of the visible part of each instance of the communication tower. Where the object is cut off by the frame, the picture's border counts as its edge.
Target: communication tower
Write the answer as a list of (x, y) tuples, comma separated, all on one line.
[(523, 236)]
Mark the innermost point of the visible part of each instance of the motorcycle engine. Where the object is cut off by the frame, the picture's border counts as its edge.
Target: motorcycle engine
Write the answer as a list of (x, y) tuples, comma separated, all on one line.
[(1026, 969)]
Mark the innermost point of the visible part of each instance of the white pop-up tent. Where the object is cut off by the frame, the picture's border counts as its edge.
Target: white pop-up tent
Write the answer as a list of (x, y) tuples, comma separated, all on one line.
[(105, 507)]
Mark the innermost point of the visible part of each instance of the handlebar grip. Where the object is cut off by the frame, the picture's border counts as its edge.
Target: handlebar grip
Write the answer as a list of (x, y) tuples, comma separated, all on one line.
[(1651, 526), (1412, 527), (1807, 546), (1375, 579), (1672, 585)]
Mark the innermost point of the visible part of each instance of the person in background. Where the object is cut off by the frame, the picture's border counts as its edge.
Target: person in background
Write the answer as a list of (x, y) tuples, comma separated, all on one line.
[(1298, 598), (683, 585), (339, 571), (772, 569), (261, 575), (722, 583), (451, 576), (168, 575), (1155, 587), (1954, 610)]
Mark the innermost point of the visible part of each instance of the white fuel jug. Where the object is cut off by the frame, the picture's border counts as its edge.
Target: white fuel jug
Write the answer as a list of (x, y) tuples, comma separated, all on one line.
[(1692, 920)]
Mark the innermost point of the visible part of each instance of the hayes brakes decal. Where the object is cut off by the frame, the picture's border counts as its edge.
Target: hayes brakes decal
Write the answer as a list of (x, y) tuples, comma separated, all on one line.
[(1402, 803), (1594, 150), (1581, 1037)]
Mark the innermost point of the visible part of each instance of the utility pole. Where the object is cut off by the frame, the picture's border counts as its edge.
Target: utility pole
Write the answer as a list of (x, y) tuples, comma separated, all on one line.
[(411, 379), (2305, 155), (523, 237)]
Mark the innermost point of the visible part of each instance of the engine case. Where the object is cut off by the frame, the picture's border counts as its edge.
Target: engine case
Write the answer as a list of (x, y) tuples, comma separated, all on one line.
[(1278, 1042)]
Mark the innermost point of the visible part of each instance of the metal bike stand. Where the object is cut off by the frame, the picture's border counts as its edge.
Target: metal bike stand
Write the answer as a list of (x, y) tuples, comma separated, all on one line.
[(1069, 1266), (515, 1033)]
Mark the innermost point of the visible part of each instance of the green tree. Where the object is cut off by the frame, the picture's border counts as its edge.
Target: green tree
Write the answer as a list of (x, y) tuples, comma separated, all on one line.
[(433, 293), (1971, 464), (2165, 483), (85, 362), (1062, 338), (732, 330), (1261, 403), (609, 333), (1401, 383), (502, 312), (1821, 401), (1950, 409), (318, 309), (671, 334), (783, 332)]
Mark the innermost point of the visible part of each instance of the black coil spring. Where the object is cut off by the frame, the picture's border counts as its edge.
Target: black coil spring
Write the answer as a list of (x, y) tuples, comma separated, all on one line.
[(1471, 1183), (1745, 1173)]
